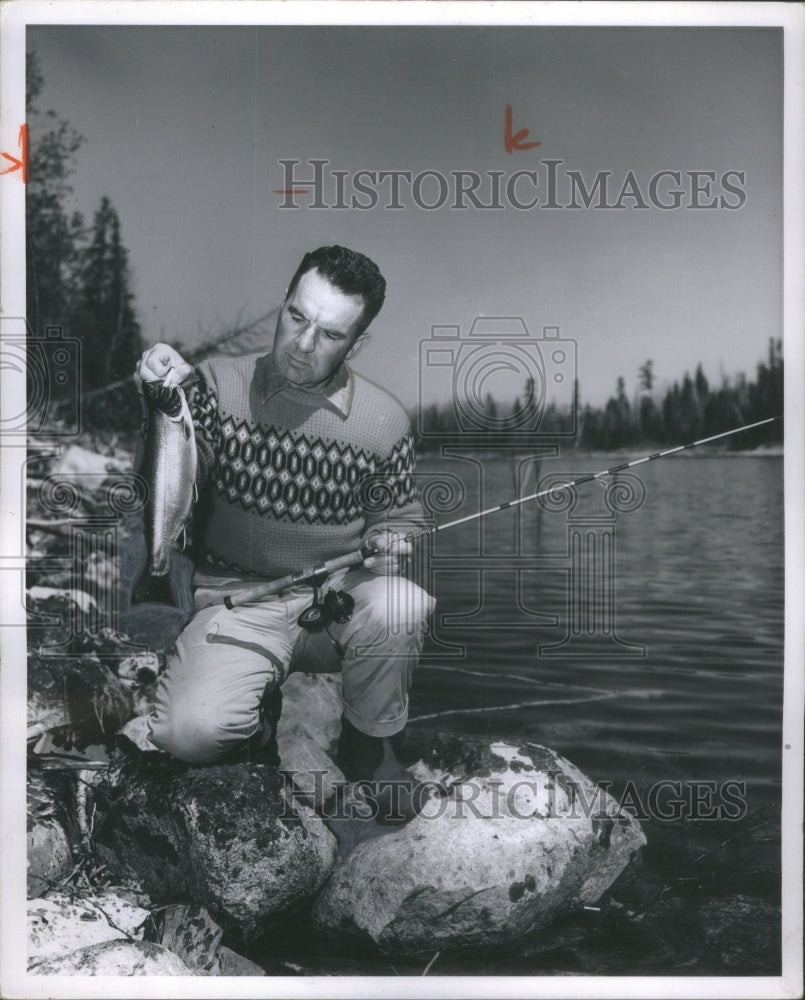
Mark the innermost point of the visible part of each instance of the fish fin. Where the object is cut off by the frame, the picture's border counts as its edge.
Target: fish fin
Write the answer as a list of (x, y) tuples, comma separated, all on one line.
[(187, 418)]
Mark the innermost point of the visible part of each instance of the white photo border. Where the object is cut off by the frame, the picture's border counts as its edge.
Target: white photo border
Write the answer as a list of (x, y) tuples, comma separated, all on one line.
[(16, 17)]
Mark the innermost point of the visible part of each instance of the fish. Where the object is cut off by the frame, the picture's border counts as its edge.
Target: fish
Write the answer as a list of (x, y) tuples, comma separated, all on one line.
[(169, 467)]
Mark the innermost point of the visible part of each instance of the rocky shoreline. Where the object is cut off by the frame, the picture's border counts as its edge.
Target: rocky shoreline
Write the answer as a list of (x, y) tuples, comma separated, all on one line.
[(236, 848), (139, 865)]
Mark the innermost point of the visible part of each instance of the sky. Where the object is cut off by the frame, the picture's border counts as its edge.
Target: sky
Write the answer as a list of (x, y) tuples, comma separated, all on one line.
[(185, 128)]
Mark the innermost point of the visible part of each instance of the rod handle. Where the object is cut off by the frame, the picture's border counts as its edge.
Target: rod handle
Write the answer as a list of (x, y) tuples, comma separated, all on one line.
[(277, 586)]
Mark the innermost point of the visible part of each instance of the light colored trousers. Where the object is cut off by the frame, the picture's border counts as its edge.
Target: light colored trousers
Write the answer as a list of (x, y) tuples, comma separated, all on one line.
[(226, 662)]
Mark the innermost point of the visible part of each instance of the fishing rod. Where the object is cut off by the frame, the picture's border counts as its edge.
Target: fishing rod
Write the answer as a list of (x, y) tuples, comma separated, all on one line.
[(316, 575)]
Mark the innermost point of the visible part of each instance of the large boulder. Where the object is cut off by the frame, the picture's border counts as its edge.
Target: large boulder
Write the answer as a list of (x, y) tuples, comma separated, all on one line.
[(51, 831), (116, 958), (311, 709), (309, 725), (77, 691), (191, 933), (227, 837), (314, 775), (61, 924), (520, 837), (229, 963)]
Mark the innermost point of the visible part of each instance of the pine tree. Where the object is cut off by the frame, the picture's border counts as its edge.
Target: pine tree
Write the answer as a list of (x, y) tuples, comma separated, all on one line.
[(75, 279), (646, 376), (649, 421), (52, 236), (109, 328)]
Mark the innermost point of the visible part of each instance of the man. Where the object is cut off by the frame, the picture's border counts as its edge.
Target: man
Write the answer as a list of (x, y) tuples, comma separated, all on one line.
[(305, 461)]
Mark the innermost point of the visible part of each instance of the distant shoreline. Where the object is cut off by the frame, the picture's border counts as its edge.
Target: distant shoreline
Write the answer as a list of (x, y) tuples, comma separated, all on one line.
[(770, 451)]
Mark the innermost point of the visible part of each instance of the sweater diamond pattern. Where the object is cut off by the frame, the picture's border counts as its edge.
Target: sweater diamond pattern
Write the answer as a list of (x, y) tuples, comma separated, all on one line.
[(293, 477)]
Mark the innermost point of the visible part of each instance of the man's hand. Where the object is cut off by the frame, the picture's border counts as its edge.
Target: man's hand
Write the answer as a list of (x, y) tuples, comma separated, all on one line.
[(390, 550), (161, 362)]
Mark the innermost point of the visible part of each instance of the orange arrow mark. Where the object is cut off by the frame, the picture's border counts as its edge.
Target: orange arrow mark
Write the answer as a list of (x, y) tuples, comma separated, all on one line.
[(510, 141), (20, 164)]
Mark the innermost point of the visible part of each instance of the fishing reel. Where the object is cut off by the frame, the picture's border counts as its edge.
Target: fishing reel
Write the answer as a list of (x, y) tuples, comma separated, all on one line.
[(336, 607)]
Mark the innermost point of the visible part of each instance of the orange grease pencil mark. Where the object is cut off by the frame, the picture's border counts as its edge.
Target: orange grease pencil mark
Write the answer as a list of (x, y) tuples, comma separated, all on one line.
[(20, 163), (515, 141)]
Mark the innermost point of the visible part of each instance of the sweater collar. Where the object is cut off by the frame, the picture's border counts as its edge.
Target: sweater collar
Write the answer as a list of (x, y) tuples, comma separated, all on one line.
[(336, 394)]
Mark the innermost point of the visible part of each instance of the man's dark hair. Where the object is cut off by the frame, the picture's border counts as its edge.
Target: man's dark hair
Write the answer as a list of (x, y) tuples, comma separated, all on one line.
[(351, 272)]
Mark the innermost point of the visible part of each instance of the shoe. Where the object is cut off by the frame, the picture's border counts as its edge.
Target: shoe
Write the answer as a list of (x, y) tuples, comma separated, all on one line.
[(385, 784), (266, 738)]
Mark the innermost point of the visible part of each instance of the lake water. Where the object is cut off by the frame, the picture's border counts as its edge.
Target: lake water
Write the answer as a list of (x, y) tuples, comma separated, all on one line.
[(698, 583)]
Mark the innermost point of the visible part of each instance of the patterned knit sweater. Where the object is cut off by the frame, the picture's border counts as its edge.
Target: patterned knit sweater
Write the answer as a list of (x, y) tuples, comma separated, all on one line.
[(296, 476)]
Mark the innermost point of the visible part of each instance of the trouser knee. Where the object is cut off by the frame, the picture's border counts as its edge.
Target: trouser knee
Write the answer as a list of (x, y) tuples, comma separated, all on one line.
[(193, 739), (394, 608), (204, 734)]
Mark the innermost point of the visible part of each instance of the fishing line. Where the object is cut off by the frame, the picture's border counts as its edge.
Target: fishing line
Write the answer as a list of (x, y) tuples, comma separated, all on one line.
[(542, 702), (494, 675), (520, 704)]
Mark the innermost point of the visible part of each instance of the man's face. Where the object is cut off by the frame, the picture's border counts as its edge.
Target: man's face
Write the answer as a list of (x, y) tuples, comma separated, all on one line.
[(316, 329)]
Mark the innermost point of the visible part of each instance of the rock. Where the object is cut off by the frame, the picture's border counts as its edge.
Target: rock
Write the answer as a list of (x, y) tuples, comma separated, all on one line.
[(154, 623), (49, 857), (60, 924), (76, 462), (192, 934), (309, 724), (101, 574), (116, 958), (57, 579), (50, 834), (311, 709), (78, 691), (229, 963), (132, 555), (54, 620), (129, 894), (349, 832), (509, 849), (223, 836), (311, 769), (136, 730), (141, 668), (139, 674), (165, 604), (84, 600)]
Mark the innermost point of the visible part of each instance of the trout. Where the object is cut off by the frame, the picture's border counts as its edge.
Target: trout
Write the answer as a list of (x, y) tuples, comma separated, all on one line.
[(169, 468)]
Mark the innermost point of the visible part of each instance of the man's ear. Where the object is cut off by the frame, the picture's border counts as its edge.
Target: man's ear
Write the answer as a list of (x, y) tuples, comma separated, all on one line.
[(358, 345)]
